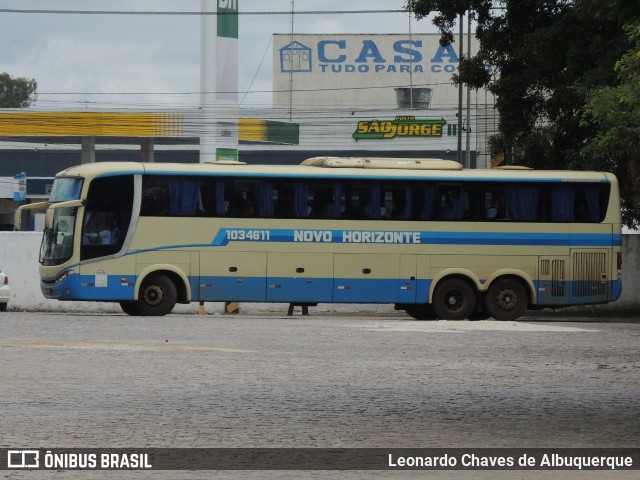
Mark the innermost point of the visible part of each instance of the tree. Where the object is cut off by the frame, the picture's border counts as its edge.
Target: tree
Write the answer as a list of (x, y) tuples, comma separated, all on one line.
[(17, 92), (548, 57), (613, 113)]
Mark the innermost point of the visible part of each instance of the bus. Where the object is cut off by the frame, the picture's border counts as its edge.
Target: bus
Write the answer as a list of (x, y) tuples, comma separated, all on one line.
[(425, 235)]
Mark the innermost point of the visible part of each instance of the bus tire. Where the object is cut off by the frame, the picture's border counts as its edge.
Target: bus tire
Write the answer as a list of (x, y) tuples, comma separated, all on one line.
[(453, 299), (158, 295), (506, 299), (420, 311), (129, 308)]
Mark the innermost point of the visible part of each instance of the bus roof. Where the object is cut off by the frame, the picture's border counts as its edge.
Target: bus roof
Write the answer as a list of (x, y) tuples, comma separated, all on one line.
[(338, 167)]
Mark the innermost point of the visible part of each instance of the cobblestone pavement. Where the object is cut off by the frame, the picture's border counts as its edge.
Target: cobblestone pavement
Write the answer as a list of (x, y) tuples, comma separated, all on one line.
[(78, 380)]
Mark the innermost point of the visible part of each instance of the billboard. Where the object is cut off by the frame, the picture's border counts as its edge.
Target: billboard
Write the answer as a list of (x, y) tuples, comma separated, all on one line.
[(364, 71)]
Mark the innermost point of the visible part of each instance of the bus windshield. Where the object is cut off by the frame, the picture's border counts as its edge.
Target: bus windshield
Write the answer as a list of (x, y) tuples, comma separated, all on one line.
[(65, 189), (57, 241)]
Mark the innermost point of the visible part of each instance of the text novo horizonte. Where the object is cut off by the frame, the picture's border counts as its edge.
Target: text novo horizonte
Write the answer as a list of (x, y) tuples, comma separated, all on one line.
[(355, 236)]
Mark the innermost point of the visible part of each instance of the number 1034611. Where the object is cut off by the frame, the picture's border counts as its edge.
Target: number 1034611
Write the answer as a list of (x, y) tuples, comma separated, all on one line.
[(248, 235)]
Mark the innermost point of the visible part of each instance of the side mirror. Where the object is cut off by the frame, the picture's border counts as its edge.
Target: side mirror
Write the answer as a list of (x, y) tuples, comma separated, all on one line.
[(17, 219)]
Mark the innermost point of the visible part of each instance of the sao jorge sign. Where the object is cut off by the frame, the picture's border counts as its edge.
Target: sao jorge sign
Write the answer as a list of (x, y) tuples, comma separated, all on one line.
[(401, 126)]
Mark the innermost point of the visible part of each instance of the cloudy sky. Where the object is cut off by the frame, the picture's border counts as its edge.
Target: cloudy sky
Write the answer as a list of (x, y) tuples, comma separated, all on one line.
[(149, 60)]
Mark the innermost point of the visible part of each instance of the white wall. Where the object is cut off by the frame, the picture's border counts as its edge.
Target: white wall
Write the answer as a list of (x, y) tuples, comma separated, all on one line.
[(19, 259)]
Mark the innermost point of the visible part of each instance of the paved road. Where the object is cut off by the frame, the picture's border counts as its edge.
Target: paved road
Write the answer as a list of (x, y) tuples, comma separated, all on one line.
[(72, 380)]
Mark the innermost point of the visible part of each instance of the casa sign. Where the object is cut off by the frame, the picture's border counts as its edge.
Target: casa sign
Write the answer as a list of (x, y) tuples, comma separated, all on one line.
[(361, 54)]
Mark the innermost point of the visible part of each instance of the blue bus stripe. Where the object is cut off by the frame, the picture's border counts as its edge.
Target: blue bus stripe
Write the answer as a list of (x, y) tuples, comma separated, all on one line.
[(284, 289), (432, 238), (438, 238)]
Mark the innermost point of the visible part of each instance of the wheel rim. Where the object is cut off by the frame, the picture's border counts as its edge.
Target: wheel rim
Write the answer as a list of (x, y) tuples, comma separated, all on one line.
[(454, 301), (153, 295), (507, 299)]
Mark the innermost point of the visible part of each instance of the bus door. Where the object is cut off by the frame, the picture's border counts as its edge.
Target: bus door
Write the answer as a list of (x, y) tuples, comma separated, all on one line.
[(376, 278), (233, 276), (299, 277)]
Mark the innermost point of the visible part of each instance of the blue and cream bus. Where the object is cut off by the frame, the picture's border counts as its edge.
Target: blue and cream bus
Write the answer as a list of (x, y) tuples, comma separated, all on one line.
[(426, 235)]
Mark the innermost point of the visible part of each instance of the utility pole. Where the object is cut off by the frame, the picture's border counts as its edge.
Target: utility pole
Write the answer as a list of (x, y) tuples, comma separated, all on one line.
[(467, 158), (460, 55)]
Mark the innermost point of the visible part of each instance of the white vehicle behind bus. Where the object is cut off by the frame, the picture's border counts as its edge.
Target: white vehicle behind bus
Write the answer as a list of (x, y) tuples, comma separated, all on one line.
[(5, 293)]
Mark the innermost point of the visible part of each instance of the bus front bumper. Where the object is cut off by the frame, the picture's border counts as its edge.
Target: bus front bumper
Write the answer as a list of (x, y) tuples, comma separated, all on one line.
[(73, 286), (60, 288)]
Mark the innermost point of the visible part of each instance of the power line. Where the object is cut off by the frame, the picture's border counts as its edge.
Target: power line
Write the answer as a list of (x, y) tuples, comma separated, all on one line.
[(192, 13), (327, 89)]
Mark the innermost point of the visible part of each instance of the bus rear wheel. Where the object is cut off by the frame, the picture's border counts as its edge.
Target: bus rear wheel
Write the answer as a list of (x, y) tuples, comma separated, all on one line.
[(506, 299), (453, 299), (157, 297)]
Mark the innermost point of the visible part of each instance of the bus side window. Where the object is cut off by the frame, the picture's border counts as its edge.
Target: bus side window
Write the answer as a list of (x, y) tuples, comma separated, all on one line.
[(242, 201), (107, 216), (563, 203), (179, 196), (155, 197), (495, 205), (245, 206), (322, 202), (450, 203), (206, 200), (365, 202), (299, 199), (472, 204), (396, 201), (403, 203), (265, 198), (427, 201), (326, 200), (357, 202), (588, 204), (221, 194)]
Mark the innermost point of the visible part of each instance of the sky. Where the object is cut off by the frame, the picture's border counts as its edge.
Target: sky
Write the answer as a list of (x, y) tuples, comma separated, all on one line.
[(142, 61)]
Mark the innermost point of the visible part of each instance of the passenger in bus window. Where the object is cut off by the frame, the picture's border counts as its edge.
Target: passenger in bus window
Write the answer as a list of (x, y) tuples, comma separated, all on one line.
[(446, 207), (496, 210), (388, 210), (114, 230), (91, 231), (248, 208)]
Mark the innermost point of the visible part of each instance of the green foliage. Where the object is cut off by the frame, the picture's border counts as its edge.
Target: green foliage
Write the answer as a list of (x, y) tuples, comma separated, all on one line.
[(566, 81), (448, 12), (612, 114), (17, 92)]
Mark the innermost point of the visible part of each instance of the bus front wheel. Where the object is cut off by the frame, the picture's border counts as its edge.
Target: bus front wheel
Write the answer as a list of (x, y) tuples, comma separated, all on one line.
[(453, 299), (506, 299), (157, 297)]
